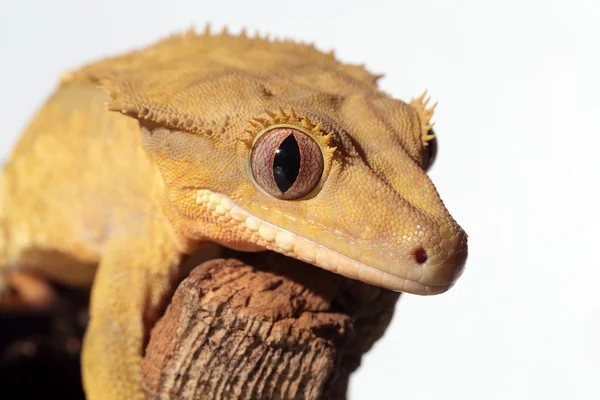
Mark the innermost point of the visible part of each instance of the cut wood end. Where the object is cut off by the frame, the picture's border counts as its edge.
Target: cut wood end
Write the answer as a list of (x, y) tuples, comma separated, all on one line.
[(263, 326)]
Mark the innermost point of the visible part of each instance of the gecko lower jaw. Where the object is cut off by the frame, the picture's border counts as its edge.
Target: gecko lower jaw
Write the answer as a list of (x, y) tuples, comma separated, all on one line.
[(282, 241)]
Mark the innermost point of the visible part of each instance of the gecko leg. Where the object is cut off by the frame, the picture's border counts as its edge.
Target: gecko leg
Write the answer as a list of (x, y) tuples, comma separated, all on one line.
[(133, 278)]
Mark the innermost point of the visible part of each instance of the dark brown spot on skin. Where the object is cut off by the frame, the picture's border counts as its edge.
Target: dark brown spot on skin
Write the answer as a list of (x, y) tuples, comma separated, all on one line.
[(265, 93)]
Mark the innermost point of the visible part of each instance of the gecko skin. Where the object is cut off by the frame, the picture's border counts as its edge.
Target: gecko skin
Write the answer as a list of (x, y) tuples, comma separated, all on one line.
[(135, 161)]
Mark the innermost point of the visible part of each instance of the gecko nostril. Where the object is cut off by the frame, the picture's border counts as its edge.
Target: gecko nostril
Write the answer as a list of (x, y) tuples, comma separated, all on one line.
[(420, 255)]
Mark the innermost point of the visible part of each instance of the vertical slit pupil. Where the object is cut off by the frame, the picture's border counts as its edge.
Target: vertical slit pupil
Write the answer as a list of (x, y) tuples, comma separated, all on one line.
[(286, 164)]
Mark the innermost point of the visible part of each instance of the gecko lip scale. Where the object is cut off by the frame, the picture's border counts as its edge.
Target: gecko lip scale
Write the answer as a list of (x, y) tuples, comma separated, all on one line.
[(283, 241)]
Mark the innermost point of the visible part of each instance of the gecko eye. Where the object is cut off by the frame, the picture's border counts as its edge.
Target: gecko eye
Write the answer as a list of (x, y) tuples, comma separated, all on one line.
[(286, 163), (430, 152)]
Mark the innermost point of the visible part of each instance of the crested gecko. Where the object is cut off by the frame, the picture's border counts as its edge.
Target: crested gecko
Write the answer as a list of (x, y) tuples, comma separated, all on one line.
[(136, 161)]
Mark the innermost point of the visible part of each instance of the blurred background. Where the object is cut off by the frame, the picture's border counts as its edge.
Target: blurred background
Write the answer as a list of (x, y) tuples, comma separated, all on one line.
[(518, 87)]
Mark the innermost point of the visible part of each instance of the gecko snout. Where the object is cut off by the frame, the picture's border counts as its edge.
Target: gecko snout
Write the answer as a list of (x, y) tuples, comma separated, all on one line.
[(440, 263)]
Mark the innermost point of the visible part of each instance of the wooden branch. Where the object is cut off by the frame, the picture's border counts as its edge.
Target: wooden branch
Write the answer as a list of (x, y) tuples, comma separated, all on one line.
[(263, 326)]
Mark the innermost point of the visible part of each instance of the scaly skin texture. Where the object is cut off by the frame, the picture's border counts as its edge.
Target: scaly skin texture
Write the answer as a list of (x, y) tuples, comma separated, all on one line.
[(134, 189)]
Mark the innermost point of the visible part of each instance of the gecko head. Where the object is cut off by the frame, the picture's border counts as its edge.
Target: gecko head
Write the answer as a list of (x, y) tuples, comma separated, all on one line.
[(344, 194), (281, 147)]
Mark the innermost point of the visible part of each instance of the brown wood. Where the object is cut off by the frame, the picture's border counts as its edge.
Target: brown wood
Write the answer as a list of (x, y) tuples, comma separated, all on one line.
[(263, 326)]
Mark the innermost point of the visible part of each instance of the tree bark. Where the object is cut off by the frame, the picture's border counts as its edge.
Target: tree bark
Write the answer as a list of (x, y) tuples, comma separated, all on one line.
[(263, 326)]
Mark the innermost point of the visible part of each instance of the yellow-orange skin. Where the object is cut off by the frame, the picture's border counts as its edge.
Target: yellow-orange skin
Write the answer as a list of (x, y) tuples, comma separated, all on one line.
[(86, 188)]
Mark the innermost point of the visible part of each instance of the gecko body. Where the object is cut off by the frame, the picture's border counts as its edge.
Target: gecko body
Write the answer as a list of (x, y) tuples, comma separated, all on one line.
[(137, 160)]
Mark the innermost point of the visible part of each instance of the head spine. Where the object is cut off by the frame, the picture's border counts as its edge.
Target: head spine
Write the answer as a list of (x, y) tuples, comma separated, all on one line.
[(260, 125), (425, 115)]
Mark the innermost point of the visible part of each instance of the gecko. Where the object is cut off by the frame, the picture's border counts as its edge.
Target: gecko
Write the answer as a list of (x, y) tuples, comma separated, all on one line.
[(137, 161)]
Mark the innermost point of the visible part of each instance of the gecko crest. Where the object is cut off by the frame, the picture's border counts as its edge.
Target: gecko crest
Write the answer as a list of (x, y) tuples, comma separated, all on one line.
[(425, 115), (281, 119)]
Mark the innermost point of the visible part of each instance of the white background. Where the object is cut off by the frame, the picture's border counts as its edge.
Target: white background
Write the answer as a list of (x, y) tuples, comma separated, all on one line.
[(519, 102)]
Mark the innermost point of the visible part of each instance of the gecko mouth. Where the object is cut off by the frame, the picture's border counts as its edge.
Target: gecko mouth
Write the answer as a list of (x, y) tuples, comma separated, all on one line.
[(290, 244)]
